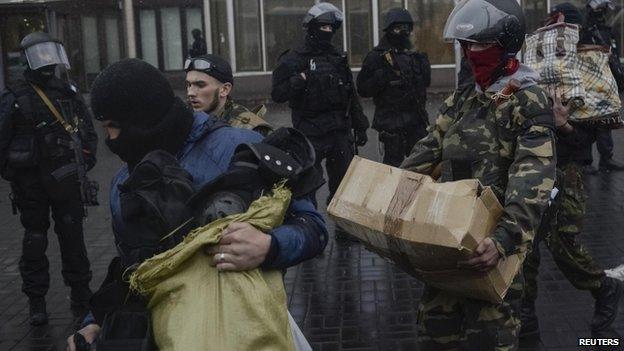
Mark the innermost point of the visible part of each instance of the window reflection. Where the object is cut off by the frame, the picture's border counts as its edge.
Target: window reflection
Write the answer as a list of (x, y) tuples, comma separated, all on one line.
[(359, 34), (283, 23), (430, 17), (149, 50), (248, 39), (91, 51), (171, 38)]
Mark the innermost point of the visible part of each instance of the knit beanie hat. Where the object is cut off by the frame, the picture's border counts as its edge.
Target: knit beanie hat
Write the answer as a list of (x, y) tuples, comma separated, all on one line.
[(131, 92)]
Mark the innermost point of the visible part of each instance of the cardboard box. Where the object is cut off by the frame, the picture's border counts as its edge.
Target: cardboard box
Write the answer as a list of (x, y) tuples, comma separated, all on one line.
[(422, 226)]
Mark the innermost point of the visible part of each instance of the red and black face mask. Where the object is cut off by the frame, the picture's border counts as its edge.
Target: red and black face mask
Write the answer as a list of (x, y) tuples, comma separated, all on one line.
[(490, 64)]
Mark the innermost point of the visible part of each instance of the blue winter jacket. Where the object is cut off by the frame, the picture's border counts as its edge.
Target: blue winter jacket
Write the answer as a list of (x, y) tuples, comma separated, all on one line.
[(206, 155)]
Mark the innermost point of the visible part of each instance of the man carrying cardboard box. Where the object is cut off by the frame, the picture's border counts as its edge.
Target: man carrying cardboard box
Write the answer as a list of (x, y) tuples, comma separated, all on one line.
[(499, 131)]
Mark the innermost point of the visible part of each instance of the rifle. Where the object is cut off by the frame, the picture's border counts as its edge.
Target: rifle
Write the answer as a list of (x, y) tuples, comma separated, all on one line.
[(411, 93), (88, 188)]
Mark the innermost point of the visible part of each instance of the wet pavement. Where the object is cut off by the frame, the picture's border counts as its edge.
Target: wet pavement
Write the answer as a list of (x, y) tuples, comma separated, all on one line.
[(346, 299)]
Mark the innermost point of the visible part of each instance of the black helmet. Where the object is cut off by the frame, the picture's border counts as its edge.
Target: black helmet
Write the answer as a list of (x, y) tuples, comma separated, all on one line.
[(324, 13), (41, 50), (487, 21), (397, 15), (600, 5), (571, 13)]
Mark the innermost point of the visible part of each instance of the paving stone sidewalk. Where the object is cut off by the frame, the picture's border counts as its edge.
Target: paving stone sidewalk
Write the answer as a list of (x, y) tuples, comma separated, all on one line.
[(346, 299)]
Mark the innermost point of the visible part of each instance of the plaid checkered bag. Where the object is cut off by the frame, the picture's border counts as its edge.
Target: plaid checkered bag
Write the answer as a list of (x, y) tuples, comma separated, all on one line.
[(602, 101), (551, 51)]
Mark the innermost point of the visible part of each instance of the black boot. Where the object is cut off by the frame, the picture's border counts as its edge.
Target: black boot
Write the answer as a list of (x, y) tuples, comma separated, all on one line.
[(529, 325), (610, 164), (38, 314), (79, 298), (607, 304)]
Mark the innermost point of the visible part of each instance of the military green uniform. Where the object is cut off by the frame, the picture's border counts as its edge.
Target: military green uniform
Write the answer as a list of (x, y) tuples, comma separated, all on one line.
[(240, 116), (564, 219), (508, 145)]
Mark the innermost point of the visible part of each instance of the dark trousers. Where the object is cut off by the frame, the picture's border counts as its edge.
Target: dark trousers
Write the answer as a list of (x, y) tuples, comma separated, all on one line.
[(398, 144), (36, 194), (337, 150), (604, 143)]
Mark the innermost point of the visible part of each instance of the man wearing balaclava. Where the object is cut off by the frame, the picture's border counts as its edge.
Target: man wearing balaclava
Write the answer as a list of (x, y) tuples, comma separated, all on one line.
[(316, 81), (46, 141), (500, 131), (397, 79), (140, 114)]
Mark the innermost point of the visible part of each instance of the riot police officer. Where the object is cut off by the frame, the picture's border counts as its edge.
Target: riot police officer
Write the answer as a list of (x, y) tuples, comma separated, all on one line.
[(397, 80), (597, 31), (316, 81), (47, 142)]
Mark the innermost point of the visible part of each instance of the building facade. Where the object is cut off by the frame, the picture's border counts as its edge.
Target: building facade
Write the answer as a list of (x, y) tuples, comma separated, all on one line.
[(250, 34)]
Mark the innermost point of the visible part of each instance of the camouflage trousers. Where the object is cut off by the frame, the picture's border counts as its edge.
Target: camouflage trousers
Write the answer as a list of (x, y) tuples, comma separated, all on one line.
[(561, 224), (449, 322)]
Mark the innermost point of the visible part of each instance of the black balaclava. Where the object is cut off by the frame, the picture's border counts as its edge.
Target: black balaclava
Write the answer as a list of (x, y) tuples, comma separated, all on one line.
[(137, 97), (319, 39), (400, 40), (134, 142), (42, 75)]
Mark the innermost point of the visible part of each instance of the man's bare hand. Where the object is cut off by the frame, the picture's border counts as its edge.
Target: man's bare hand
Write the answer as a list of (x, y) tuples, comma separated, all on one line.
[(90, 333), (242, 248), (484, 259), (561, 112)]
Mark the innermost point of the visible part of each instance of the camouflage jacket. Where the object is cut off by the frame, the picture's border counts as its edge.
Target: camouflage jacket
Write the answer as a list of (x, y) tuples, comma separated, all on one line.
[(508, 146), (239, 116)]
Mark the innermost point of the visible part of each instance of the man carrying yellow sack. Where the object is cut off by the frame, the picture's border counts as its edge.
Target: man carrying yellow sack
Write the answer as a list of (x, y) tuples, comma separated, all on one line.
[(141, 116)]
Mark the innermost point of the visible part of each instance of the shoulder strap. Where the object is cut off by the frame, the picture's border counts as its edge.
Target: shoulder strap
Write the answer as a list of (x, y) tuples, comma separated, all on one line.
[(543, 118), (54, 111)]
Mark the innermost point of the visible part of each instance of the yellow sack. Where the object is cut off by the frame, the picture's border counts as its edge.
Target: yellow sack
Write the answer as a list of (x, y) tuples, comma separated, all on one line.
[(196, 307)]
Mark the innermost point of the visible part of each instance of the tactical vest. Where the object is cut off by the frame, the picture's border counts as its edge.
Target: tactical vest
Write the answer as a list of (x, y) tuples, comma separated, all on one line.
[(44, 134), (413, 76), (329, 84), (239, 116)]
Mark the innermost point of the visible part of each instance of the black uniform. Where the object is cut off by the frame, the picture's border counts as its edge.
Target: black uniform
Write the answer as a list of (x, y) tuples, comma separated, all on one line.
[(397, 80), (324, 105), (33, 145)]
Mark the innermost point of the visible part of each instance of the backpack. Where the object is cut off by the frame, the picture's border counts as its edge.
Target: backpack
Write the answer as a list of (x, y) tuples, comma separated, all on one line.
[(153, 206)]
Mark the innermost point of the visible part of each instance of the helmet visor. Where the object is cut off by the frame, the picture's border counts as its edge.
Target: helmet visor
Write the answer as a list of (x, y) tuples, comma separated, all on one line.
[(476, 21), (324, 13), (46, 54)]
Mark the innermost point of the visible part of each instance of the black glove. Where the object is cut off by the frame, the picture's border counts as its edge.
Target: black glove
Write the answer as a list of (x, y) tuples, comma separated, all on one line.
[(297, 83), (360, 138)]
